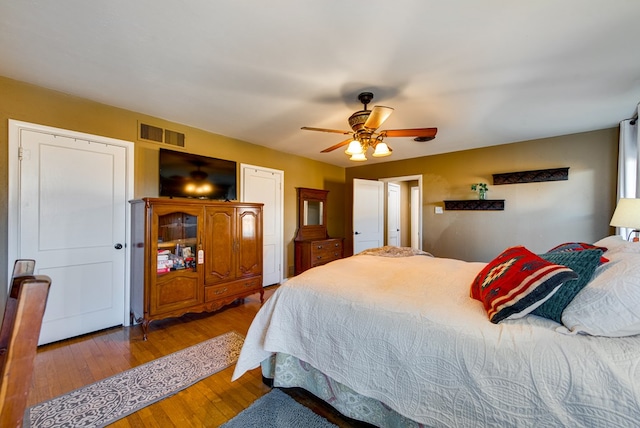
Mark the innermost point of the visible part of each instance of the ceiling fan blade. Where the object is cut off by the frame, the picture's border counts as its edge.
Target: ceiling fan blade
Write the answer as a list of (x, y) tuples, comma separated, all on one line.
[(335, 131), (337, 146), (377, 116), (416, 132)]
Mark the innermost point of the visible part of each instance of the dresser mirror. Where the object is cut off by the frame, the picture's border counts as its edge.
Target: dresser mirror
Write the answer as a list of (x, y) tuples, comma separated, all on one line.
[(312, 213)]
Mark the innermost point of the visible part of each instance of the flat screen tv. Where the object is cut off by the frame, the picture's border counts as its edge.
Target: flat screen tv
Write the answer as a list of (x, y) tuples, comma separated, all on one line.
[(186, 175)]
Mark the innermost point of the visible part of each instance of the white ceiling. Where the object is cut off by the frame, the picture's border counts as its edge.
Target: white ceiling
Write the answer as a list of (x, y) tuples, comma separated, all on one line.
[(485, 72)]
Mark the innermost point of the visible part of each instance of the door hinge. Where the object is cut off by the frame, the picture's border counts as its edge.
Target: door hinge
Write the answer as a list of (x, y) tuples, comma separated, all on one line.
[(20, 153)]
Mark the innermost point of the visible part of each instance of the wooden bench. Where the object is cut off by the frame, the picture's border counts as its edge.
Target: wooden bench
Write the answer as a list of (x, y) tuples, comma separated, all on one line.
[(19, 335)]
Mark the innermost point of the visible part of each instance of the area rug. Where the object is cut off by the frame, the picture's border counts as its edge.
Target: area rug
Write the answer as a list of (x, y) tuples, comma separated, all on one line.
[(108, 400), (277, 410)]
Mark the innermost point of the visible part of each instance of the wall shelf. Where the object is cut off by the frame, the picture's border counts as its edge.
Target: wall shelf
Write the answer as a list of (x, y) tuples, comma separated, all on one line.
[(475, 205), (535, 176)]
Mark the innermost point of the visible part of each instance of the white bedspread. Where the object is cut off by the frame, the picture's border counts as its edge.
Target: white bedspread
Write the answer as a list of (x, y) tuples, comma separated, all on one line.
[(405, 331)]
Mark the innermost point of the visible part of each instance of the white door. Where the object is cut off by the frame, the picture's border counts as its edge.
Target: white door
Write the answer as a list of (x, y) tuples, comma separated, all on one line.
[(72, 219), (368, 214), (393, 214), (415, 217), (265, 185)]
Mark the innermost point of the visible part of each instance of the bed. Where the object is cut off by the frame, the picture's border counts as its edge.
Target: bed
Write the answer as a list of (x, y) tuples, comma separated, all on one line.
[(394, 338)]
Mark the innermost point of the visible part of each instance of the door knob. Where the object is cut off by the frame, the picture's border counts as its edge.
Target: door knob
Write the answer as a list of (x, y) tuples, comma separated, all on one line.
[(118, 246), (357, 233)]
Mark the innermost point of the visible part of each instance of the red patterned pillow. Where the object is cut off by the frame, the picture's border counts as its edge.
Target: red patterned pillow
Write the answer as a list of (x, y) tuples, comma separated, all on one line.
[(517, 282)]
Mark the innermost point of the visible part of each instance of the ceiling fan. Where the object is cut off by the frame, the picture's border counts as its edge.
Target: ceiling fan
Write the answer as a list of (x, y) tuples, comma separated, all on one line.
[(364, 131)]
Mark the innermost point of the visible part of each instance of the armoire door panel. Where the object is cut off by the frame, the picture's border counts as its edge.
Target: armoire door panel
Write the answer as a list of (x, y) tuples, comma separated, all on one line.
[(180, 291), (249, 244), (219, 244)]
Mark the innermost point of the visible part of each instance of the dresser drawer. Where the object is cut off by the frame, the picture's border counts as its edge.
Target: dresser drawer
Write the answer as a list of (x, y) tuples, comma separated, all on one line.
[(241, 287), (311, 253), (326, 245), (325, 251)]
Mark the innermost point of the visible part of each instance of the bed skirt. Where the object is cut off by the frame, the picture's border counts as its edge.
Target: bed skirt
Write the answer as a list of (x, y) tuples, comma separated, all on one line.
[(290, 372)]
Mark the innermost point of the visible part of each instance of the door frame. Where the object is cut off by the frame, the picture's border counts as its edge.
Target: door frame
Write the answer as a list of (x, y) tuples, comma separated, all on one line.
[(411, 178), (243, 167), (13, 205)]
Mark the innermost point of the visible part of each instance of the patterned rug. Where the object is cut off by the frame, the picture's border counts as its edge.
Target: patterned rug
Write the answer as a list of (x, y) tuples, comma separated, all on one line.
[(277, 410), (108, 400)]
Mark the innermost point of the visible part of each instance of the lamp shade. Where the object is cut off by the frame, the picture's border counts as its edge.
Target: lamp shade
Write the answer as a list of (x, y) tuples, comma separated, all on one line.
[(354, 148), (358, 157), (627, 214), (381, 150)]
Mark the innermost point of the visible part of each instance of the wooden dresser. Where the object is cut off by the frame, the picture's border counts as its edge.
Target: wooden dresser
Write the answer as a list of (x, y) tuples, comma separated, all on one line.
[(313, 253), (192, 255), (313, 246)]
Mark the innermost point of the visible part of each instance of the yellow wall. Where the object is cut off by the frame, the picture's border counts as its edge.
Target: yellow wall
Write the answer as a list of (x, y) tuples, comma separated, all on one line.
[(537, 215), (29, 103)]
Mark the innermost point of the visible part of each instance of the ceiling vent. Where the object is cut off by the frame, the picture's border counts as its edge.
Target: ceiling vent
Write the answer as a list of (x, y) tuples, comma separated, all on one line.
[(159, 135)]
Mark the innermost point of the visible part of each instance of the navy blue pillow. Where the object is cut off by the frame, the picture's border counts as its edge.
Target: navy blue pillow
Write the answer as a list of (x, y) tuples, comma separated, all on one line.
[(584, 263)]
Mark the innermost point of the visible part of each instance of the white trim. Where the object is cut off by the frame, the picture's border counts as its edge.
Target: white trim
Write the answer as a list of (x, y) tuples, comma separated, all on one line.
[(13, 208)]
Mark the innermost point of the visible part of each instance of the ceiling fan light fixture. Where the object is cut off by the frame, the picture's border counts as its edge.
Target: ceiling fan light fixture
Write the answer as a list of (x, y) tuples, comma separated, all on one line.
[(364, 130), (381, 150), (354, 148)]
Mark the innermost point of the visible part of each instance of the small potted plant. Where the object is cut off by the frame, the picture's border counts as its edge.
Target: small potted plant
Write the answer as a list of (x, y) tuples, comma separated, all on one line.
[(481, 188)]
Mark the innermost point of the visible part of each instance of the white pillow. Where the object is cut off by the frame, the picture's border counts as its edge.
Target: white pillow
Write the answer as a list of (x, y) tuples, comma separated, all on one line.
[(617, 243), (610, 304)]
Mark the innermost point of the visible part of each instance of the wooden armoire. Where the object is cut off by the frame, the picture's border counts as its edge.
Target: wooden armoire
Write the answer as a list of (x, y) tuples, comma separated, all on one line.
[(192, 255)]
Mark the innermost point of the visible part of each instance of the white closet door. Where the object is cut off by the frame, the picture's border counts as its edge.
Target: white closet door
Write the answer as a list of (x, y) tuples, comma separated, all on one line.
[(72, 221), (368, 214), (265, 185), (393, 215)]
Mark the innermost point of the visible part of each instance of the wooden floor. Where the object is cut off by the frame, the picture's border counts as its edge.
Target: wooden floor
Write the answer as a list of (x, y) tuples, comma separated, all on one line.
[(67, 365)]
